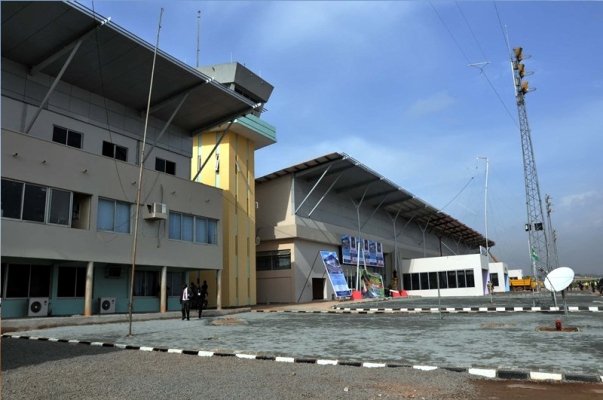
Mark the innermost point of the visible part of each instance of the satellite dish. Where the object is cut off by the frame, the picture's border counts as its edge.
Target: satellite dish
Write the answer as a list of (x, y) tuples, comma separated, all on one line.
[(558, 279)]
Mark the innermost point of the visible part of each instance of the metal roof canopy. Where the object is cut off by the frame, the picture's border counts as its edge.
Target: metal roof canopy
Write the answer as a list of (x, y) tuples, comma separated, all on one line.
[(41, 34), (366, 186)]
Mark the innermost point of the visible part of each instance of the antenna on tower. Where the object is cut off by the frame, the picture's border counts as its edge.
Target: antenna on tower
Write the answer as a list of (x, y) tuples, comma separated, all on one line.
[(535, 226), (198, 34)]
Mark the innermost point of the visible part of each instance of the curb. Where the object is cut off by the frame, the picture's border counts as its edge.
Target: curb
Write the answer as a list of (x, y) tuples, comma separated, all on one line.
[(451, 310), (481, 372)]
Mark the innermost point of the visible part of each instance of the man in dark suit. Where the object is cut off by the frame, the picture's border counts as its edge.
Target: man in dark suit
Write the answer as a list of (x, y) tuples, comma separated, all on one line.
[(185, 300)]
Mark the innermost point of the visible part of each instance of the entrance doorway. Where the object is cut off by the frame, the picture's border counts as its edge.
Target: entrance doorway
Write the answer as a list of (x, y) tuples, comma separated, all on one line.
[(318, 288)]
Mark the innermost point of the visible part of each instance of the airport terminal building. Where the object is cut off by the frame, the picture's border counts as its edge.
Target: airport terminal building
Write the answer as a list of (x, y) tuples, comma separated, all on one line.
[(311, 206), (74, 104), (74, 101)]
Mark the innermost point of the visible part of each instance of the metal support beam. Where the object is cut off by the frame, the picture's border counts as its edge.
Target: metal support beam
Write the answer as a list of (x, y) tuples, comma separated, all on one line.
[(356, 185), (166, 102), (54, 85), (313, 188), (58, 54), (374, 211), (211, 153), (325, 194), (167, 124)]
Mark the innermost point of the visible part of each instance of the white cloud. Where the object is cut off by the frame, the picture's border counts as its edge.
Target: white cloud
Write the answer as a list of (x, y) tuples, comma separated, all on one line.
[(431, 105)]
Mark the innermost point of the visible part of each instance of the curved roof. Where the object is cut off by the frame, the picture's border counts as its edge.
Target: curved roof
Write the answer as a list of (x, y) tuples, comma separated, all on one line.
[(113, 63), (375, 191)]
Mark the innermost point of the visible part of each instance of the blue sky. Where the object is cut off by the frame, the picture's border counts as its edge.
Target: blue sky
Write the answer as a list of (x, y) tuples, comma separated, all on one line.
[(389, 84)]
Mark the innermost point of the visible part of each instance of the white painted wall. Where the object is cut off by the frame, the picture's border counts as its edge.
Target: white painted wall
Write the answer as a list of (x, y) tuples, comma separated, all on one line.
[(476, 262), (501, 270)]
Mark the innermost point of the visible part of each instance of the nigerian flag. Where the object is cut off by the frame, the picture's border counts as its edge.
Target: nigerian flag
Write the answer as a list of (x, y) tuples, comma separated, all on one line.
[(535, 255)]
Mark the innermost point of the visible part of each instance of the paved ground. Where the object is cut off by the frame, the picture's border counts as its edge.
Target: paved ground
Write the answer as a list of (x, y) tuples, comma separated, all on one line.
[(509, 341)]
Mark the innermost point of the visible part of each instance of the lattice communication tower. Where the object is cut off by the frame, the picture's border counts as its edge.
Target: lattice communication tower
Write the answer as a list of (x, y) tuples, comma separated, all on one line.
[(535, 226)]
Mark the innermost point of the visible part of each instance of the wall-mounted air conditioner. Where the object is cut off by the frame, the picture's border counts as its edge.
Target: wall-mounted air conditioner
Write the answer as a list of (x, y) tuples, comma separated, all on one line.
[(156, 211), (107, 305), (38, 307)]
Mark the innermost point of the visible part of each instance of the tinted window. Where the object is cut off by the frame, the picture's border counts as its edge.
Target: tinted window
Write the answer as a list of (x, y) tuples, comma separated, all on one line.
[(59, 135), (34, 203), (12, 193)]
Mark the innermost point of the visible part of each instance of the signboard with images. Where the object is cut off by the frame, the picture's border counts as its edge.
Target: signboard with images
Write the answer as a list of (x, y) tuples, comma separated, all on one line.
[(335, 272), (349, 250), (371, 250)]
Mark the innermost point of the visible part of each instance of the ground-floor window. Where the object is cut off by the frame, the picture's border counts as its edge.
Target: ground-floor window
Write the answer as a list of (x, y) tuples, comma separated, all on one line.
[(146, 283), (71, 282), (175, 282), (494, 279), (273, 260), (447, 280), (26, 280)]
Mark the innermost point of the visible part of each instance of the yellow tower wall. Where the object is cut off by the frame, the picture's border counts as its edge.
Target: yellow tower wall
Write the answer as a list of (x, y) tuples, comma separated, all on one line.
[(231, 168)]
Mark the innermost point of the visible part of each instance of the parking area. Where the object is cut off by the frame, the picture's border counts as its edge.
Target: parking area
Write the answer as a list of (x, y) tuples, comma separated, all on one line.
[(488, 340)]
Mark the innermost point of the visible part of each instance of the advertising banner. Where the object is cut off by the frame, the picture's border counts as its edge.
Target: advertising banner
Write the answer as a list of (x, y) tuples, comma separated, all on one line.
[(371, 252), (349, 250), (372, 285), (335, 272)]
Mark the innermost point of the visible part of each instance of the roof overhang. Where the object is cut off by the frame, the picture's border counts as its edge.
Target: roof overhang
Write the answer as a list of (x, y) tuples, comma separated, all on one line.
[(113, 63), (368, 188)]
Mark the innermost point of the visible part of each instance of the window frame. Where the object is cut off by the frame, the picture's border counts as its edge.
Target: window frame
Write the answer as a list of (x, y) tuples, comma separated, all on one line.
[(114, 151), (31, 281), (274, 258), (115, 216), (79, 282), (210, 228), (68, 134), (161, 165), (150, 285), (48, 203)]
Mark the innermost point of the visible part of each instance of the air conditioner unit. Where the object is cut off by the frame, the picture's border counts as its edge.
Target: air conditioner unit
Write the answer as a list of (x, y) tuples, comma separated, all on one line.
[(38, 307), (156, 211), (107, 305)]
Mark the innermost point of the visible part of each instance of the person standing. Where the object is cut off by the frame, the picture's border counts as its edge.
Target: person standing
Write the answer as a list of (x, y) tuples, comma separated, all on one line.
[(202, 297), (185, 301)]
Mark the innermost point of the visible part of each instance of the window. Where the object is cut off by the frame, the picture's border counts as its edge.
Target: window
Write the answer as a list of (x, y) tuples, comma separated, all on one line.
[(494, 279), (193, 229), (34, 203), (424, 277), (113, 216), (460, 275), (28, 202), (406, 281), (433, 280), (25, 280), (273, 260), (443, 280), (469, 276), (115, 151), (12, 197), (67, 137), (72, 282), (415, 282), (175, 281), (169, 167), (60, 204), (146, 283), (452, 279)]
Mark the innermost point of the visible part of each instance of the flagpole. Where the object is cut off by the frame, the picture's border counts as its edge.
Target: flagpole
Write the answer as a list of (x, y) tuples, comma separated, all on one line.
[(139, 189)]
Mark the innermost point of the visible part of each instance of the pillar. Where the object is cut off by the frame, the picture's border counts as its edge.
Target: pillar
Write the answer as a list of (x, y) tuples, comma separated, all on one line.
[(219, 289), (88, 290), (163, 298)]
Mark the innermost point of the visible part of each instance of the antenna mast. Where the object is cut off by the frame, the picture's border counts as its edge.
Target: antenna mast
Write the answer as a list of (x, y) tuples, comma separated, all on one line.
[(198, 33), (535, 226)]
